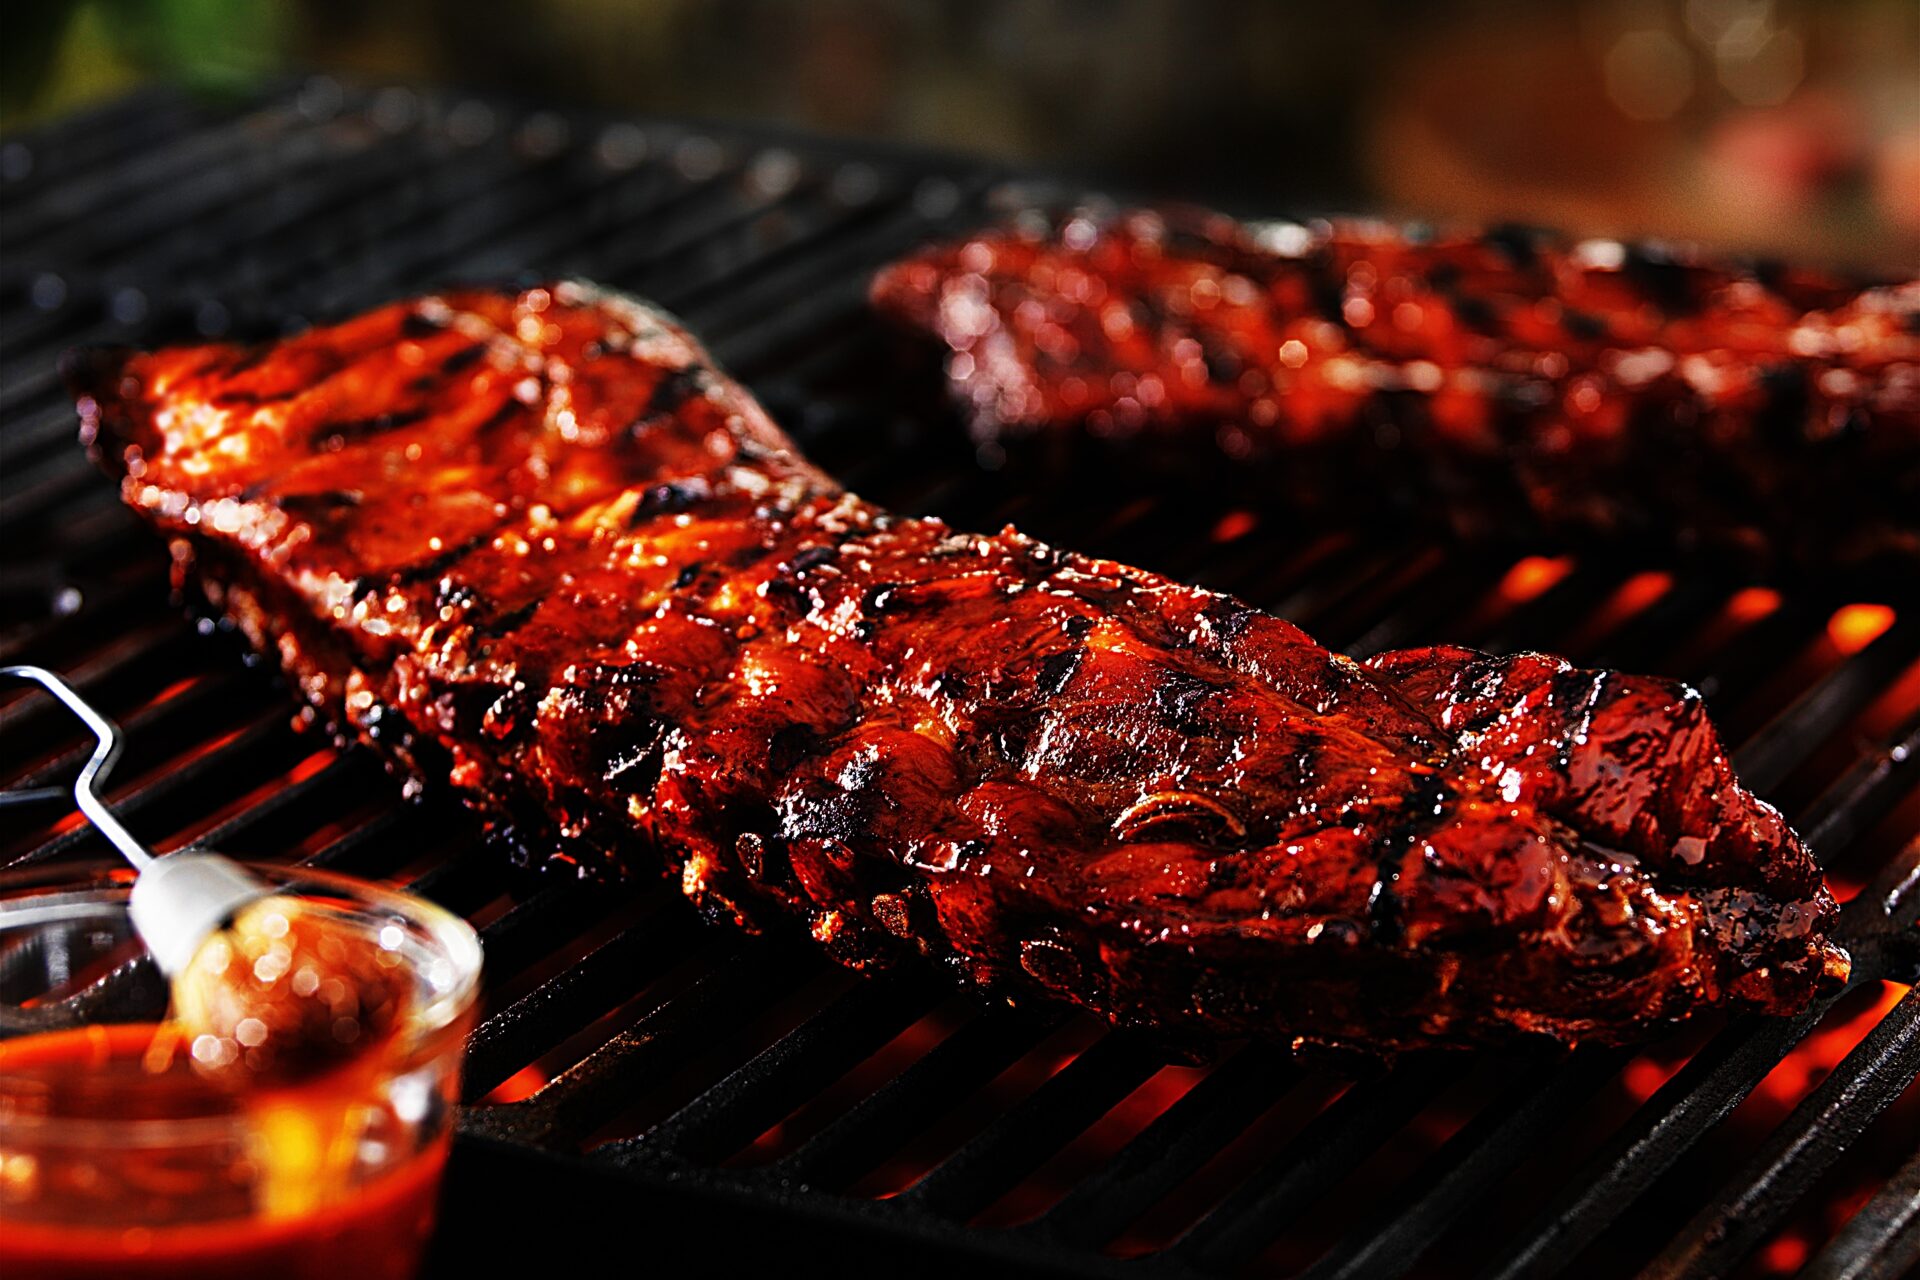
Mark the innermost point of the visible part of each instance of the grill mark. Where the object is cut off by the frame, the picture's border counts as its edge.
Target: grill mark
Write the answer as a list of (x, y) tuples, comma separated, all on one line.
[(667, 398), (668, 499), (674, 390), (812, 558), (1384, 911), (337, 435), (1517, 243), (498, 418), (1477, 314), (464, 358), (439, 564), (1057, 670), (249, 359), (1584, 325), (495, 627), (1660, 277), (253, 399), (308, 505)]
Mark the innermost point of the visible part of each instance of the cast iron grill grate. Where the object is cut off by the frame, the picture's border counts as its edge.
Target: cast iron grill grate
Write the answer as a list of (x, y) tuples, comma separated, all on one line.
[(630, 1045)]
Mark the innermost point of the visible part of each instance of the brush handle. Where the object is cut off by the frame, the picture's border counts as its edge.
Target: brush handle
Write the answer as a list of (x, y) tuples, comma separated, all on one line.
[(93, 774)]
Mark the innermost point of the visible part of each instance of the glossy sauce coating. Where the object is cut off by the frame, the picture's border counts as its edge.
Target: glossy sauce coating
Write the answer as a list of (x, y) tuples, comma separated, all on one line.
[(539, 547), (1506, 382)]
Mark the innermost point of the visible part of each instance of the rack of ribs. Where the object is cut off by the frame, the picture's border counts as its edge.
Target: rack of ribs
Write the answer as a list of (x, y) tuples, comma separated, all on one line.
[(1508, 382), (537, 547)]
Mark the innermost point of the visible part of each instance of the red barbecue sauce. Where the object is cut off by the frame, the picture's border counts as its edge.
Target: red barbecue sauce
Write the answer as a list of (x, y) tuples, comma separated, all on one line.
[(374, 1231)]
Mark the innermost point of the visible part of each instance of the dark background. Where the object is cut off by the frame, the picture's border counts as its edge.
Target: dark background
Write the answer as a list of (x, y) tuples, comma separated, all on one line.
[(1790, 127)]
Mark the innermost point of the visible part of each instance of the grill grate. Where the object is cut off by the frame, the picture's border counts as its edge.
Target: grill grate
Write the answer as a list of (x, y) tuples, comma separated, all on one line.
[(684, 1071)]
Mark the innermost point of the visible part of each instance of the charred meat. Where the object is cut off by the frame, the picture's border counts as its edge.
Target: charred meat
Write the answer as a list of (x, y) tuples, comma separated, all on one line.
[(536, 546), (1505, 382)]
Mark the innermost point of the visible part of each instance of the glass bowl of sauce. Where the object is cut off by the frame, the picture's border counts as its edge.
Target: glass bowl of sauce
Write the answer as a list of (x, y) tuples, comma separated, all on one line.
[(131, 1148)]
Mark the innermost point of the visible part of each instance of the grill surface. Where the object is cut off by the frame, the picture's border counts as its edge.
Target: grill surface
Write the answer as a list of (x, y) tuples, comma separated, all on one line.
[(646, 1080)]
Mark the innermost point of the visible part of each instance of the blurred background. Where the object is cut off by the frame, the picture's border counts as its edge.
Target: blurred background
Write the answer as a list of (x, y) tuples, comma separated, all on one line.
[(1753, 124)]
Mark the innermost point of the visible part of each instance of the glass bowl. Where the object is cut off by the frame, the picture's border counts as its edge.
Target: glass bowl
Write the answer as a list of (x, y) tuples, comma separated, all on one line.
[(118, 1159)]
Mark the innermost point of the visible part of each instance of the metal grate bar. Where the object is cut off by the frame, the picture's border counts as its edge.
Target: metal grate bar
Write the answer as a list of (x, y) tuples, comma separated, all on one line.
[(543, 922), (904, 1105), (453, 227), (1882, 1240), (203, 217), (347, 169), (506, 1040), (152, 179), (38, 490), (1424, 613), (464, 882), (265, 821), (1331, 1146), (1770, 756), (1640, 642), (1172, 1148), (731, 1112), (82, 144), (860, 237), (1740, 667), (257, 750), (1551, 613), (1665, 1128), (1863, 1085), (1020, 1138), (373, 847), (1866, 793), (1464, 1171), (27, 434), (595, 1087), (106, 674)]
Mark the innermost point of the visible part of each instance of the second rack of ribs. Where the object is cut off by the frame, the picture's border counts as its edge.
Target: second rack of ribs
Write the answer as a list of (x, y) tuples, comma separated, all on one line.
[(538, 546), (1507, 383)]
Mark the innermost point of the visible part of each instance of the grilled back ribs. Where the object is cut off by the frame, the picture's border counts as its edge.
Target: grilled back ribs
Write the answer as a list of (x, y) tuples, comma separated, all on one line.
[(538, 546), (1506, 382)]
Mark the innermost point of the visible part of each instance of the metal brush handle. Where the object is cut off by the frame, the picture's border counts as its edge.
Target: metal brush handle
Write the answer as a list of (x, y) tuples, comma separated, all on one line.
[(93, 774), (177, 900)]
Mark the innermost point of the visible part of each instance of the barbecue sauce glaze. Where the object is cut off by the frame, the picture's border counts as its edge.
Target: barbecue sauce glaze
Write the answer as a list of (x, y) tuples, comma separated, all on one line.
[(1503, 383), (539, 547)]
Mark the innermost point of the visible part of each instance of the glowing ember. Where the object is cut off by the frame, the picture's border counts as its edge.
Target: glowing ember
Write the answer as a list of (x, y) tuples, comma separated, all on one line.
[(1785, 1255), (522, 1084), (1533, 576), (1643, 1077), (1752, 604), (1641, 590), (1235, 525), (1800, 1071), (1853, 627)]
